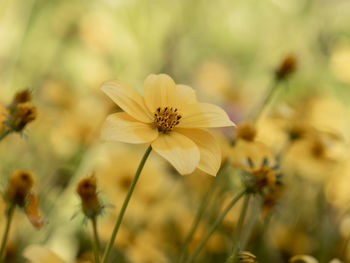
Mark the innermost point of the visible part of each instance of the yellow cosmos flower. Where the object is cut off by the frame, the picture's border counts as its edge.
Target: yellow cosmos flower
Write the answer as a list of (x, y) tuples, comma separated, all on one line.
[(170, 118)]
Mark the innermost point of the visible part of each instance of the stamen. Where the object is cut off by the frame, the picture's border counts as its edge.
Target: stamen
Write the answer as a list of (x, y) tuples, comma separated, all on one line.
[(166, 119)]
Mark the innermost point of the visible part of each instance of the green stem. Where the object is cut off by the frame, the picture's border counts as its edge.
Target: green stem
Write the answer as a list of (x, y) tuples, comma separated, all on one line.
[(4, 133), (10, 213), (96, 242), (214, 226), (266, 101), (200, 213), (251, 223), (125, 205), (238, 230)]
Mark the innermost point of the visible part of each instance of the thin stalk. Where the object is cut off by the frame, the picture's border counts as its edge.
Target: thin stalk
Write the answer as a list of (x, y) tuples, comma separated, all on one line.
[(10, 213), (200, 213), (4, 133), (251, 223), (215, 225), (267, 100), (96, 242), (125, 205), (238, 230)]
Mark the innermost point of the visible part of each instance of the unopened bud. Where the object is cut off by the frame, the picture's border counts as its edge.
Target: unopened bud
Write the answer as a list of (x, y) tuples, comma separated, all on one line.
[(20, 184), (246, 131), (286, 68), (87, 190), (23, 114)]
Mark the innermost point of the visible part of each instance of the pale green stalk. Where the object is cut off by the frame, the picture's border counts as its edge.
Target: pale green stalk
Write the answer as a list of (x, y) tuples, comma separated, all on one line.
[(214, 226), (96, 242), (125, 205), (200, 213), (238, 230), (10, 213)]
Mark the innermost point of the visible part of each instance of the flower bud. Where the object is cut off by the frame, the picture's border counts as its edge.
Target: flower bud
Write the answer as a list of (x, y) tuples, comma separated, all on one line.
[(20, 184), (22, 96), (246, 131), (22, 115), (286, 68), (89, 199)]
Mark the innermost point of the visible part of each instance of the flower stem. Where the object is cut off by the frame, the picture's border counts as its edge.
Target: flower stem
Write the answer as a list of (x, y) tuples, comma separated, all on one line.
[(96, 242), (237, 233), (10, 214), (200, 213), (267, 100), (215, 225), (251, 223), (125, 205), (4, 133)]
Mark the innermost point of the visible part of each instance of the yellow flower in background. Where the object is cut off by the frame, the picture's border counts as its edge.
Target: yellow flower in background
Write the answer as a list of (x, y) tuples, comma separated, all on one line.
[(171, 119), (309, 259), (39, 254)]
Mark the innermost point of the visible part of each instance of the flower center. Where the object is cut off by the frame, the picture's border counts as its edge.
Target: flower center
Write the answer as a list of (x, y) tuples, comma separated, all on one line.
[(166, 119)]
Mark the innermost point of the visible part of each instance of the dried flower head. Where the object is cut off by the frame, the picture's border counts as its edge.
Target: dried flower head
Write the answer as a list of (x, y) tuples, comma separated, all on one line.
[(262, 178), (20, 184), (87, 190), (296, 132), (22, 97), (271, 198), (23, 114), (246, 257), (246, 131), (286, 68)]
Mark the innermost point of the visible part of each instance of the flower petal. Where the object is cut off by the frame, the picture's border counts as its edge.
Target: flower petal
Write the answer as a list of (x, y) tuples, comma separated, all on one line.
[(122, 127), (39, 254), (186, 94), (32, 211), (304, 258), (204, 115), (179, 150), (210, 152), (160, 91), (128, 99)]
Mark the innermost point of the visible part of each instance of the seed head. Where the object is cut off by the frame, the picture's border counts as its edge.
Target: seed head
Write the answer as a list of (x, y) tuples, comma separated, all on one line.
[(246, 131), (262, 178), (22, 97), (286, 68), (20, 184), (87, 190)]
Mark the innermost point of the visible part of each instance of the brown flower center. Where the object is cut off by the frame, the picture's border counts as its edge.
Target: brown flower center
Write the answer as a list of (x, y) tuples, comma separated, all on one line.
[(166, 119)]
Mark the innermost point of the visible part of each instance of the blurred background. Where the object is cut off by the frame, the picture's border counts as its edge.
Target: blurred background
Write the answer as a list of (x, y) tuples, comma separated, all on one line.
[(228, 51)]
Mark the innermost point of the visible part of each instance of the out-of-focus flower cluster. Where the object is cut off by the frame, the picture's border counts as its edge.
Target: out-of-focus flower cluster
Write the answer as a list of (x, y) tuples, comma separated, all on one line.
[(56, 54)]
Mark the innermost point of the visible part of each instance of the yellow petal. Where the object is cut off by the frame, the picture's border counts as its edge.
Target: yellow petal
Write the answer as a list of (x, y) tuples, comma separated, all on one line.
[(304, 258), (210, 152), (179, 150), (128, 99), (204, 115), (39, 254), (160, 91), (186, 94), (122, 127)]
